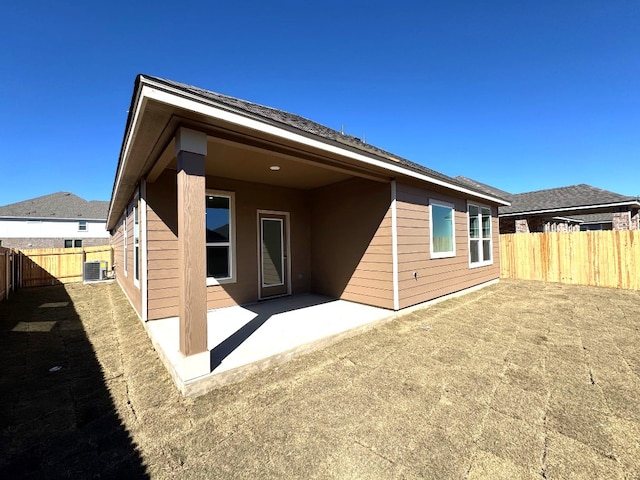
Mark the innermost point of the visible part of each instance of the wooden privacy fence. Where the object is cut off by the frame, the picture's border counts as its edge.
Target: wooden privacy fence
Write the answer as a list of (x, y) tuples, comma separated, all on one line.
[(599, 258), (51, 266)]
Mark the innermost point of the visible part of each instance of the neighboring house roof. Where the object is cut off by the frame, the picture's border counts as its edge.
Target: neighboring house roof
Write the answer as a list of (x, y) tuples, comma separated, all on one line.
[(60, 205), (571, 199)]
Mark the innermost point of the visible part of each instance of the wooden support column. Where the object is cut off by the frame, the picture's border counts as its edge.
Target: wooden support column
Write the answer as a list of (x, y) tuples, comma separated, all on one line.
[(191, 149)]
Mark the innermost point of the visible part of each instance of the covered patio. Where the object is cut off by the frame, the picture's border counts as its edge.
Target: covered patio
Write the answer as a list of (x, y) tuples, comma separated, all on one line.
[(244, 339)]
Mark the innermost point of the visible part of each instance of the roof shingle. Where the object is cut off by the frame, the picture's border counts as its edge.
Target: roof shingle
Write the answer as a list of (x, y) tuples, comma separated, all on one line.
[(63, 205), (581, 195)]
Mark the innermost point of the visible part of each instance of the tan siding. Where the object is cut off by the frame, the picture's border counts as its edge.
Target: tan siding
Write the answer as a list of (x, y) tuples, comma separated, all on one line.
[(347, 230), (162, 293), (162, 244), (162, 247), (160, 236), (166, 312), (126, 281), (251, 197), (351, 242), (439, 276), (160, 264), (162, 254), (158, 274)]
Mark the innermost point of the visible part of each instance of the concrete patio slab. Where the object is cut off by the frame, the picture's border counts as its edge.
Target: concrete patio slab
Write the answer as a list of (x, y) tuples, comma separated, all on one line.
[(245, 339)]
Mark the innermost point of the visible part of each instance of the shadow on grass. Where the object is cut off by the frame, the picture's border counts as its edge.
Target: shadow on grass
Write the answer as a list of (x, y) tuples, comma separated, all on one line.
[(57, 417)]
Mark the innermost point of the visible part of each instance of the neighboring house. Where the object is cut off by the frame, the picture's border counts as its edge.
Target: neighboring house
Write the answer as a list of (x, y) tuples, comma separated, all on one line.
[(218, 201), (57, 220), (564, 209), (595, 221)]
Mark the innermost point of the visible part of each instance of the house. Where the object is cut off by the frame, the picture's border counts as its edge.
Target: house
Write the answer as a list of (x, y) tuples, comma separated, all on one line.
[(218, 201), (595, 221), (564, 209), (58, 220)]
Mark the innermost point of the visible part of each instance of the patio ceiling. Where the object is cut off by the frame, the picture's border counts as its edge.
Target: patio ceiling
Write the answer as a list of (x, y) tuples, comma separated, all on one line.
[(253, 164)]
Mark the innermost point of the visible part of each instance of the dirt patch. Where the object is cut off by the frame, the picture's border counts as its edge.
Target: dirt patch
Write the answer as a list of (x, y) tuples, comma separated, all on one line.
[(492, 387)]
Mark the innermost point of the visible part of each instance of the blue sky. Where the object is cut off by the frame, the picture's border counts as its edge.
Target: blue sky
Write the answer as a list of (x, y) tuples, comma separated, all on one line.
[(522, 95)]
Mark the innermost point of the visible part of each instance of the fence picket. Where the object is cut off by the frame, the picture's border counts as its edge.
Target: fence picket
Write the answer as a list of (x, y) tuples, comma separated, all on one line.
[(603, 259), (51, 266)]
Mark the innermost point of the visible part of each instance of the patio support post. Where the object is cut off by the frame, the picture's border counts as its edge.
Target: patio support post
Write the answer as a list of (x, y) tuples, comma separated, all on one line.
[(191, 149)]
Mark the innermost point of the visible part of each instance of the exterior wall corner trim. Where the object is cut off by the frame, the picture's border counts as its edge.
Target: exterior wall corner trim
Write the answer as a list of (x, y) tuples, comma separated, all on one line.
[(394, 246)]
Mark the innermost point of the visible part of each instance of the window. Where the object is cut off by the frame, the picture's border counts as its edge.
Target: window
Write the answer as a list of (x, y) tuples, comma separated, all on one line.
[(82, 226), (443, 241), (124, 243), (136, 244), (68, 243), (77, 243), (219, 226), (480, 241)]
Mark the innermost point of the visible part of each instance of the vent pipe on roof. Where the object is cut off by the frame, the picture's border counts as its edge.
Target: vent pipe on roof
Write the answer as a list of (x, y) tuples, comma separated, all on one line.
[(342, 130)]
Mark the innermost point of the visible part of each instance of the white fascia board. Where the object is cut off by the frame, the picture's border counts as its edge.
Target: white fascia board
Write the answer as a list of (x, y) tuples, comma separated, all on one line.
[(125, 151), (179, 98), (394, 246), (632, 203), (565, 219)]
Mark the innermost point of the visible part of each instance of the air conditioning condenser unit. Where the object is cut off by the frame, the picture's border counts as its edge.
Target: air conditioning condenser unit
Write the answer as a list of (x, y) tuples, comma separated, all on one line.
[(94, 271)]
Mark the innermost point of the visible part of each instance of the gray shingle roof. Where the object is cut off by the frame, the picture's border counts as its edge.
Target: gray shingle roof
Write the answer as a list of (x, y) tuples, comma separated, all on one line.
[(62, 205), (563, 197), (483, 187), (282, 118)]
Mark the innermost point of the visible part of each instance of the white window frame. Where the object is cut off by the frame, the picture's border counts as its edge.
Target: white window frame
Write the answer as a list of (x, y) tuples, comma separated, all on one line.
[(480, 240), (232, 238), (82, 226), (440, 203), (124, 243)]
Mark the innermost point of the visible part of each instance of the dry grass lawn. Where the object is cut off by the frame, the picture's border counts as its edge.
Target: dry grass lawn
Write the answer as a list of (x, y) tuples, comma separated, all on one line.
[(519, 380)]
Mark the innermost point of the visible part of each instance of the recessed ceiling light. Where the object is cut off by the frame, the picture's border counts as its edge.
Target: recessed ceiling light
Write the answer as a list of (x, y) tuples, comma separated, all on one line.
[(274, 168)]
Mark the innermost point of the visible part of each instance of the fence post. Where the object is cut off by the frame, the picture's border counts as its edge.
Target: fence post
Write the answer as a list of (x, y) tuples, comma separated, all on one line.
[(13, 271), (6, 275), (20, 276)]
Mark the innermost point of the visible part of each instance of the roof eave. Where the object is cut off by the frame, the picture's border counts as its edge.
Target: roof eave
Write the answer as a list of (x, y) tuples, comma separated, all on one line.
[(304, 137), (633, 203), (146, 88), (132, 113)]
